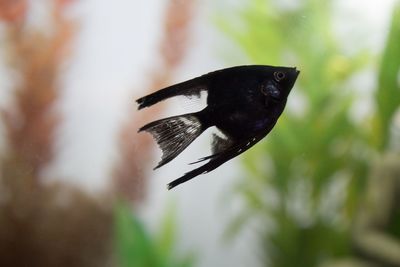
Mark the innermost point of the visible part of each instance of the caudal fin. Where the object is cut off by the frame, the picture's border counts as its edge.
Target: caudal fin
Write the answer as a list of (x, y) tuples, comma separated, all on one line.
[(174, 134)]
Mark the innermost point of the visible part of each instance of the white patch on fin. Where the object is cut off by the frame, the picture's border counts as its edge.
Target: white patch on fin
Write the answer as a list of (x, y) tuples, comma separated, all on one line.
[(193, 103)]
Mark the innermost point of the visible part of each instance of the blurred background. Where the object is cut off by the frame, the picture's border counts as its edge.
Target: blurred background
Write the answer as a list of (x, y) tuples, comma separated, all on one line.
[(76, 181)]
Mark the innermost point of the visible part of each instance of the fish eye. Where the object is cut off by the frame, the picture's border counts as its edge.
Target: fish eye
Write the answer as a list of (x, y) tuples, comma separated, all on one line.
[(279, 76)]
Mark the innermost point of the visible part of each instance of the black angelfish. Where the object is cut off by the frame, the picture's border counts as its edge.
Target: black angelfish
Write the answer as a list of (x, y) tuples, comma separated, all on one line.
[(243, 102)]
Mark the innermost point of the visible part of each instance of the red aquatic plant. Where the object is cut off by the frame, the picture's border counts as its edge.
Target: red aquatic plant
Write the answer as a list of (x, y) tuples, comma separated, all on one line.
[(42, 225), (136, 150), (30, 124), (13, 11), (57, 225)]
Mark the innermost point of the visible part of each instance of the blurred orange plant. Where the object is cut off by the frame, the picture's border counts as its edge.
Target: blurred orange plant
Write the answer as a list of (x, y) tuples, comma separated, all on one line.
[(135, 153), (42, 225), (13, 11), (57, 225)]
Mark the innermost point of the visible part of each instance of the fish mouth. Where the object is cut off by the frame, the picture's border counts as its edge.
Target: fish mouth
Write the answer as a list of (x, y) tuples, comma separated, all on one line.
[(296, 71)]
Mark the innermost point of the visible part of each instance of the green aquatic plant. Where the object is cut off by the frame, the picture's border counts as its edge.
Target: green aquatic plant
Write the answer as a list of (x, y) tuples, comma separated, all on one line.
[(136, 247), (305, 181)]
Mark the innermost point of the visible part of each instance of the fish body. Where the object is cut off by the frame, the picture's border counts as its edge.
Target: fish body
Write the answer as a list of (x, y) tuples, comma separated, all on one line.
[(243, 102)]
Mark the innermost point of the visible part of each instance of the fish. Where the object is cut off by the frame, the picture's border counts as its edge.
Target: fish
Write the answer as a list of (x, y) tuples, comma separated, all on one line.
[(243, 103)]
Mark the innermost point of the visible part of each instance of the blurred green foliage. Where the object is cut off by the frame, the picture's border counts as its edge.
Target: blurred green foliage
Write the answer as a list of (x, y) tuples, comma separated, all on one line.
[(388, 93), (135, 247), (305, 181)]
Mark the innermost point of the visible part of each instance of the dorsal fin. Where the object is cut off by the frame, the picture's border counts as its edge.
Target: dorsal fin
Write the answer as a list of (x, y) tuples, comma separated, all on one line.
[(191, 87)]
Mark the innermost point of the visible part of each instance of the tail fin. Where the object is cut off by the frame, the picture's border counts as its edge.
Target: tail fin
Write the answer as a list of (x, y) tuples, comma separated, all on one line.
[(174, 134), (188, 88)]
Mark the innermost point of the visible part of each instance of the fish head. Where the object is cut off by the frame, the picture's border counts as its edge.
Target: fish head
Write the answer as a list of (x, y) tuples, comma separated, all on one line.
[(278, 83)]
